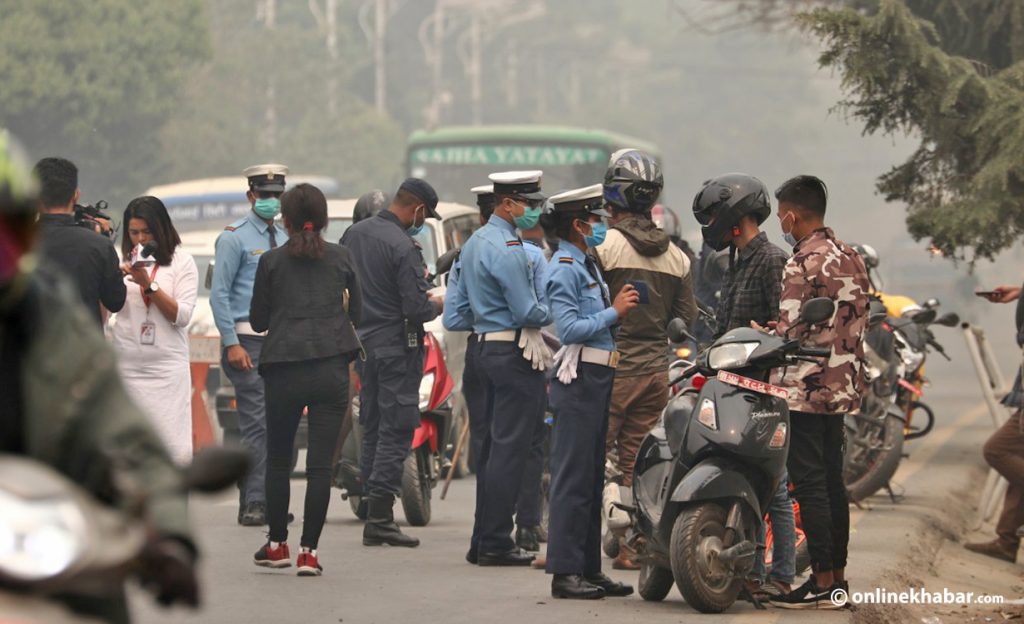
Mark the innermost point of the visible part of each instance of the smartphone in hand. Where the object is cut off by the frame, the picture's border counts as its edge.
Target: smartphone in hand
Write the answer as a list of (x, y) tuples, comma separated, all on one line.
[(642, 290)]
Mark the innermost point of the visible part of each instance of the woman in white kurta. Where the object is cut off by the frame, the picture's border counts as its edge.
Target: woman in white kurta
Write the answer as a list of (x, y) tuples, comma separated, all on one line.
[(150, 332)]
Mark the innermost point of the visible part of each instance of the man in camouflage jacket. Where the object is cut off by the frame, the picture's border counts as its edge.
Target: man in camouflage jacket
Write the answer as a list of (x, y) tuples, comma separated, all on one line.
[(820, 394)]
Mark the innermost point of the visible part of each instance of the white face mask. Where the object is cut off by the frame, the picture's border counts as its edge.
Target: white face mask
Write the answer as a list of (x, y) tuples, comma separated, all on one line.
[(787, 236)]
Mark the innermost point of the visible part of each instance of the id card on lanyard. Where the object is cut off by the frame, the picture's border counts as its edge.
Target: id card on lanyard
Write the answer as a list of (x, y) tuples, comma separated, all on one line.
[(147, 333)]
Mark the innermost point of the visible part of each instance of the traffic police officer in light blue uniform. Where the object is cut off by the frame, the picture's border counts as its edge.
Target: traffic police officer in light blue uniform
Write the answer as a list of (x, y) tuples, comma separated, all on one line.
[(580, 393), (497, 283), (238, 251)]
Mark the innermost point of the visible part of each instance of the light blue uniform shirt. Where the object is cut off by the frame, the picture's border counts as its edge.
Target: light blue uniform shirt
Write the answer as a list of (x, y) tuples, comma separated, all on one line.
[(238, 252), (497, 280), (577, 301), (458, 315)]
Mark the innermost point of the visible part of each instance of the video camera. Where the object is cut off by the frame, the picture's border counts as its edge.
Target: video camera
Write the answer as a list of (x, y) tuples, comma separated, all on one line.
[(88, 217)]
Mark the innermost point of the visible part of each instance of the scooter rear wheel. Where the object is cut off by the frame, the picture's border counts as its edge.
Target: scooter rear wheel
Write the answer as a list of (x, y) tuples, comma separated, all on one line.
[(696, 542)]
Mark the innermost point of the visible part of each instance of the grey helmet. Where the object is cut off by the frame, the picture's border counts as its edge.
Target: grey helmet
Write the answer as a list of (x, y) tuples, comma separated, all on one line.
[(724, 200), (633, 181), (369, 205), (867, 254)]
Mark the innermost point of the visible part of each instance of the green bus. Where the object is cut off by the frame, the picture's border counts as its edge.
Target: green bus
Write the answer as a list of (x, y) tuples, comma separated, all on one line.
[(454, 159)]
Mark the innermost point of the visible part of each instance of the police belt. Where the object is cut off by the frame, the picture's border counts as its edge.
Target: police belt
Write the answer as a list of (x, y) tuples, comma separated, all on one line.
[(509, 335), (243, 328), (590, 355)]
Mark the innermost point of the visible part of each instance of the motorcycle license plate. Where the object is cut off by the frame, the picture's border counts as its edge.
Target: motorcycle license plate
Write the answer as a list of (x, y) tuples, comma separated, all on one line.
[(752, 384)]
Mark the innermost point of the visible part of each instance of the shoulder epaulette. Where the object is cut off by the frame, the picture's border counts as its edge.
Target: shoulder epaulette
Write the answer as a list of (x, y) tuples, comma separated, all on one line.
[(514, 243), (566, 260), (230, 228)]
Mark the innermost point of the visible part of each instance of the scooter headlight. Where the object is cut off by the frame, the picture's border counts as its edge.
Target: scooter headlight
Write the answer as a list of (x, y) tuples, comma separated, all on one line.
[(426, 389), (733, 355), (39, 539), (707, 416), (912, 359)]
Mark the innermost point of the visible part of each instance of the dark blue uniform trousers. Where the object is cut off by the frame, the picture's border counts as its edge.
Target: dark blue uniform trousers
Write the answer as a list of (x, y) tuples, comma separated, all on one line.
[(515, 410), (577, 470), (474, 389), (389, 413), (252, 419)]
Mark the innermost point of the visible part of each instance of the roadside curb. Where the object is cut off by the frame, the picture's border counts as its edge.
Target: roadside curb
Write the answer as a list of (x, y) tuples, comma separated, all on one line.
[(941, 496)]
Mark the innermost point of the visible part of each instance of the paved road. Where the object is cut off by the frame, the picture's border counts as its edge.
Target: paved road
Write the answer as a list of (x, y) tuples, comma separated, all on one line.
[(434, 584)]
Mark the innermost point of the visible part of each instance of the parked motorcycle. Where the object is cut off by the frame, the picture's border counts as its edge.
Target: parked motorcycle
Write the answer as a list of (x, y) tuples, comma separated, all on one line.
[(895, 349), (57, 540), (705, 475)]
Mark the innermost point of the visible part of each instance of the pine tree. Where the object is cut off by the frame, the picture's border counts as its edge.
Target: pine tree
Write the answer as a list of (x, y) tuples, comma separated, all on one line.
[(950, 72)]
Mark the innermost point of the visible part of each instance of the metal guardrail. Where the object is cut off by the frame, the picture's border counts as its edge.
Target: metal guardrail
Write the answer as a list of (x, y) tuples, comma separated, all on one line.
[(993, 386)]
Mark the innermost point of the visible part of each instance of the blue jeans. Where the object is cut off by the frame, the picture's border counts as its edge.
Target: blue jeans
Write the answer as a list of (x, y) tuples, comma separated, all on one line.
[(780, 511)]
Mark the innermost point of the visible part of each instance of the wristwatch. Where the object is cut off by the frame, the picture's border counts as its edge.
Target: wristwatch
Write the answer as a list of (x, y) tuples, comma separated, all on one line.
[(153, 287)]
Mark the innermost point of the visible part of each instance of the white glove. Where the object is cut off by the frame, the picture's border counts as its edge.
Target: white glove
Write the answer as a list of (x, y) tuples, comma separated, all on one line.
[(567, 359), (535, 350)]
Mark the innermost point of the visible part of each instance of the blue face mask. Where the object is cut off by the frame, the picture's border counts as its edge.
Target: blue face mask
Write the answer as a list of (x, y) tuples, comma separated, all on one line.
[(598, 231), (529, 218), (414, 229), (267, 208)]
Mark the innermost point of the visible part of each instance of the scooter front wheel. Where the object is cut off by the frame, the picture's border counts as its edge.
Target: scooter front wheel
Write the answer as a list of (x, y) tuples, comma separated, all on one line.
[(697, 540), (655, 583)]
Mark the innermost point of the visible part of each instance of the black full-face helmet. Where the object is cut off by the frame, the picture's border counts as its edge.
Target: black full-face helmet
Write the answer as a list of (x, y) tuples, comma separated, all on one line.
[(633, 181), (726, 199)]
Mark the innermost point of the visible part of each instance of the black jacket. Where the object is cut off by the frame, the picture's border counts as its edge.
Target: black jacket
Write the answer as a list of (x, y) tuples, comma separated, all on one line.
[(300, 302), (87, 258), (391, 273)]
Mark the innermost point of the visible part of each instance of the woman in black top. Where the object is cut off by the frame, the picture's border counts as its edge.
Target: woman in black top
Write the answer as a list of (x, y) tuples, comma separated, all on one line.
[(307, 297)]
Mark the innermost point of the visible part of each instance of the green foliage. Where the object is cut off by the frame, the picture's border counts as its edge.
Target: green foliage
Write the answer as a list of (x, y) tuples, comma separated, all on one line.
[(95, 80), (964, 184), (222, 126)]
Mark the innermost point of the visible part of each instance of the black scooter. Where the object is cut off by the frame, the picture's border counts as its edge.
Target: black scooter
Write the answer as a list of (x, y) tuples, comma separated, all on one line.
[(706, 474)]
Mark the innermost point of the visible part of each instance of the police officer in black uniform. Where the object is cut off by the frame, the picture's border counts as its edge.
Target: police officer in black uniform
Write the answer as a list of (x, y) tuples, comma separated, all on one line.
[(396, 304), (580, 393)]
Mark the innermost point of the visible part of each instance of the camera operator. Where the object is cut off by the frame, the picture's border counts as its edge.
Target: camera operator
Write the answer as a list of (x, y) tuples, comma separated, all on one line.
[(85, 256)]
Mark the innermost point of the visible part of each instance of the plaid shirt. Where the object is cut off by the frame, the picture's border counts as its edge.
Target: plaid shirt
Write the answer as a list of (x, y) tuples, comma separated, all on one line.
[(753, 286)]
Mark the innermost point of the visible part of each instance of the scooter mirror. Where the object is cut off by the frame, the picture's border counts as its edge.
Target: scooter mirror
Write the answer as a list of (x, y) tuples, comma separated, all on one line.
[(445, 262), (817, 310), (924, 317), (678, 332), (949, 319), (216, 468)]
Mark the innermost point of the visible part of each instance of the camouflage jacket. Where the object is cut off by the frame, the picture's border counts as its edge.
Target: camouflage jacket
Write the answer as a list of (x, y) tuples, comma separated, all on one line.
[(824, 266)]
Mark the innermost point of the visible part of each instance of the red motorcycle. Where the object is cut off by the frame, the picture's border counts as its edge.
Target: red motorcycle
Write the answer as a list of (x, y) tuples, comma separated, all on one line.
[(430, 442)]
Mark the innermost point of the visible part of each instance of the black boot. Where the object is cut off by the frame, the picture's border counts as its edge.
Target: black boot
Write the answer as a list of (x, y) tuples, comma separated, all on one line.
[(380, 525), (526, 538)]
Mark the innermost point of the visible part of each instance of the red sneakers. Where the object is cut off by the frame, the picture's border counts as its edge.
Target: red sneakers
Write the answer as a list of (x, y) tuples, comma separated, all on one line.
[(268, 557), (308, 565)]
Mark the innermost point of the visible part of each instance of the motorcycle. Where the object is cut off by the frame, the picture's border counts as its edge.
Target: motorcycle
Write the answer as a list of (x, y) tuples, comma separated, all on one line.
[(704, 476), (57, 540), (895, 350), (429, 456)]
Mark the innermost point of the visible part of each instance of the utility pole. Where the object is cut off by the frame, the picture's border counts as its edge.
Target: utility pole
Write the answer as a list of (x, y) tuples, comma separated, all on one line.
[(270, 116), (380, 71), (476, 68)]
